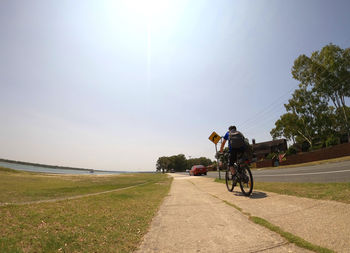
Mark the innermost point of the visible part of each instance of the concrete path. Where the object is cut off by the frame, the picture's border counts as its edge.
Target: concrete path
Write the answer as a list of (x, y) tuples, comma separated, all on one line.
[(192, 220), (324, 223)]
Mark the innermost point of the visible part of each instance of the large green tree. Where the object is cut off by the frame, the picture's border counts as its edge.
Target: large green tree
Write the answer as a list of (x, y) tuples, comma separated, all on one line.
[(324, 77), (308, 118), (179, 163), (327, 73), (286, 126), (162, 164)]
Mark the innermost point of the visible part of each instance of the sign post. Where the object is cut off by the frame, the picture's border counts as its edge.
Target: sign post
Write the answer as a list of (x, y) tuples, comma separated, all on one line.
[(215, 138)]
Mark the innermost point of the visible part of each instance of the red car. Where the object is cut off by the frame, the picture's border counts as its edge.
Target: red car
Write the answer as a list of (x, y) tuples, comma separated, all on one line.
[(198, 170)]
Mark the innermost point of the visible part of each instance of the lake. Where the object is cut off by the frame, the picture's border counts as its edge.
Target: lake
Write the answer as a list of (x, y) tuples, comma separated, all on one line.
[(33, 168)]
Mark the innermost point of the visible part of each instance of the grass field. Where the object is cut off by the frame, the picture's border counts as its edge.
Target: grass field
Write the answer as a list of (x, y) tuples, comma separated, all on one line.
[(326, 191), (333, 160), (110, 222), (19, 186)]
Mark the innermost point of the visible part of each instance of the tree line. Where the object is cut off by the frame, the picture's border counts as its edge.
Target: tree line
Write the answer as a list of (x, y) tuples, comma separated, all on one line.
[(179, 163), (317, 115)]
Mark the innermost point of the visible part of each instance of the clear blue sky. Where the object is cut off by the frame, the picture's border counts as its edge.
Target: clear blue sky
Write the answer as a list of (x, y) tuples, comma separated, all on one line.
[(116, 84)]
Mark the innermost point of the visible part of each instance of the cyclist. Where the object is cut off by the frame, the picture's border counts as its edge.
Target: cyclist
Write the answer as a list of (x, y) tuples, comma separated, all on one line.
[(236, 145)]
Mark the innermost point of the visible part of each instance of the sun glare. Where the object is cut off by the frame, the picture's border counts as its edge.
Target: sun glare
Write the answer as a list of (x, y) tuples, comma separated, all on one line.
[(147, 9)]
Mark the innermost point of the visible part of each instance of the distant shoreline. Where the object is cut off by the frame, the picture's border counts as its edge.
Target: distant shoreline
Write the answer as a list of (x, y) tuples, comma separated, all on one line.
[(68, 168), (45, 165)]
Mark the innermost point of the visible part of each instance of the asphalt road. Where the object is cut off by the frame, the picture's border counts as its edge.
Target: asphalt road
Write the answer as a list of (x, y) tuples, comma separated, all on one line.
[(323, 173)]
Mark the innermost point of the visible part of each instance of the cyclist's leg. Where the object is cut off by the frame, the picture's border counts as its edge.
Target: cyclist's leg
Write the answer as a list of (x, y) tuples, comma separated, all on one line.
[(240, 153), (233, 160)]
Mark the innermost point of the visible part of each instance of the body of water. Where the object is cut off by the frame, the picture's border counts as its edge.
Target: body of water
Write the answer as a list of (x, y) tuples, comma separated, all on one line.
[(33, 168)]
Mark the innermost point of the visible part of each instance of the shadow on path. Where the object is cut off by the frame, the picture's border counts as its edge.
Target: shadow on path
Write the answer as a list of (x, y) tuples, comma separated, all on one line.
[(255, 195)]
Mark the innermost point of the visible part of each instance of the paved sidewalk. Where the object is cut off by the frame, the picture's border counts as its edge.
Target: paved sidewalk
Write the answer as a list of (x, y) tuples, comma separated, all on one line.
[(191, 220), (324, 223)]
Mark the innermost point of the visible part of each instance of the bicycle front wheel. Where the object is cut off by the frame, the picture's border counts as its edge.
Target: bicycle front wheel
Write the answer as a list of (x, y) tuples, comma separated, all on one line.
[(229, 180), (246, 183)]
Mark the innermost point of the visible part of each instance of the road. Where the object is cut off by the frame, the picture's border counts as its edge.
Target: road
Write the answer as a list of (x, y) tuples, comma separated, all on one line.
[(322, 173)]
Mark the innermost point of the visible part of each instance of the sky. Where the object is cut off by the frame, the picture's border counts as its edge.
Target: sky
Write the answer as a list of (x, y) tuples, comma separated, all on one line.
[(114, 85)]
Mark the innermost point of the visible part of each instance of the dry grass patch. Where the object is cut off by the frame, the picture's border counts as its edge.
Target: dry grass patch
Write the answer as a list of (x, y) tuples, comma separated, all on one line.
[(111, 222), (334, 160), (326, 191), (19, 186)]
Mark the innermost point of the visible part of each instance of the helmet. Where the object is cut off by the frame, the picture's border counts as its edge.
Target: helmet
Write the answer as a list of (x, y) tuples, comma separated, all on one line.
[(232, 128)]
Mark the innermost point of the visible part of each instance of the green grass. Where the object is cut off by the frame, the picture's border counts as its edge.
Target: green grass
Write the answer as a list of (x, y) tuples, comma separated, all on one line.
[(2, 169), (20, 186), (290, 237), (325, 191), (110, 222), (332, 160)]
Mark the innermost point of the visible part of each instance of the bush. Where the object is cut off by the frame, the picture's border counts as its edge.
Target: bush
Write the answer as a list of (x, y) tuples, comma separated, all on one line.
[(332, 140), (291, 151), (316, 146), (305, 146), (271, 156)]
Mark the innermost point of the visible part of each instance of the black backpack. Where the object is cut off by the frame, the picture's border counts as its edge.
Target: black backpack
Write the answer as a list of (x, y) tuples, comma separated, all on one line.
[(236, 139)]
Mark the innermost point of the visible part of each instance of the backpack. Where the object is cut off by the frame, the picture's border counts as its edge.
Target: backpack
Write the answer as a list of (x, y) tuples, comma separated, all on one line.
[(236, 139)]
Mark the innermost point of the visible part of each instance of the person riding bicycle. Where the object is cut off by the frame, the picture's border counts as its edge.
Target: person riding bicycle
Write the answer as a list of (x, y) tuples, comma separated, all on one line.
[(236, 145)]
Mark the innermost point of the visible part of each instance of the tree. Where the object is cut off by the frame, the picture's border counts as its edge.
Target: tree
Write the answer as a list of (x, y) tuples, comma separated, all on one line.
[(327, 73), (179, 163), (307, 119), (310, 120), (163, 164), (287, 126)]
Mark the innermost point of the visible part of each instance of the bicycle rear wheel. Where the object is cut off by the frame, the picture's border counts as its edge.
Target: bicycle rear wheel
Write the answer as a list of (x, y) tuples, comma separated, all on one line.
[(246, 183), (229, 180)]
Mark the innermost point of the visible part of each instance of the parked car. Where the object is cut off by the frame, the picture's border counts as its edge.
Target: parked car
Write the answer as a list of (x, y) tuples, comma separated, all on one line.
[(198, 170), (172, 171)]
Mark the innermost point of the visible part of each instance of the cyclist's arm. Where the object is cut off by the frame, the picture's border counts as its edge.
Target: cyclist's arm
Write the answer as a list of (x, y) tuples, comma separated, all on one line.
[(224, 142), (222, 145)]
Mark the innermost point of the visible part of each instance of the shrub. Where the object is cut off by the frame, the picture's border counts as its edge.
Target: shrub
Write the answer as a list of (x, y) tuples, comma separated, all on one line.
[(332, 140), (271, 156), (305, 146), (291, 151)]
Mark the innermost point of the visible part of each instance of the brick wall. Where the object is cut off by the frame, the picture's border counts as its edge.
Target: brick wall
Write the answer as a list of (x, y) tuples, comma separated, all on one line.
[(264, 163), (321, 154)]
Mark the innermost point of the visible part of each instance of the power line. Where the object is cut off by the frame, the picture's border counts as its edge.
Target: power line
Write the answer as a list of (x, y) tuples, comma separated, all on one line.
[(259, 124), (265, 111), (263, 116), (276, 101)]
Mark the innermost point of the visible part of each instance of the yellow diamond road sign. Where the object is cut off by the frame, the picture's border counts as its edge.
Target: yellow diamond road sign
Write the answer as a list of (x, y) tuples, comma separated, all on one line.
[(214, 137)]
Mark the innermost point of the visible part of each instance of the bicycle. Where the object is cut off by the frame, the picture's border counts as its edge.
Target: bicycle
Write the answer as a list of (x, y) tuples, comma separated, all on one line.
[(242, 175)]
